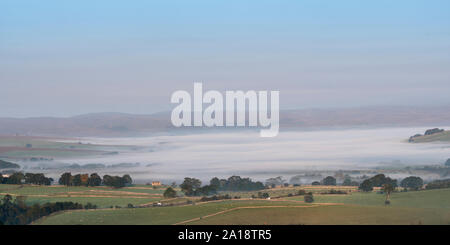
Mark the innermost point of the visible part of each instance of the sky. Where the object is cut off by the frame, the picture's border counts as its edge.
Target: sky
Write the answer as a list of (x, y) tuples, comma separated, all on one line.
[(64, 58)]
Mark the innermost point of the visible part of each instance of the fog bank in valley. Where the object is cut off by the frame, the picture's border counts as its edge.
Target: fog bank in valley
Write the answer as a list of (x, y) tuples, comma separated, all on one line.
[(206, 155)]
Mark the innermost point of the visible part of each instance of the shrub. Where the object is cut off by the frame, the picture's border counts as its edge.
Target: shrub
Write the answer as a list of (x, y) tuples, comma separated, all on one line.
[(170, 193), (263, 195), (90, 206), (333, 191), (309, 198)]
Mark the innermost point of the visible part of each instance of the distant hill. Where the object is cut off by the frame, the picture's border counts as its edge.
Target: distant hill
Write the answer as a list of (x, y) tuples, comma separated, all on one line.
[(97, 124), (5, 164), (431, 135), (121, 124)]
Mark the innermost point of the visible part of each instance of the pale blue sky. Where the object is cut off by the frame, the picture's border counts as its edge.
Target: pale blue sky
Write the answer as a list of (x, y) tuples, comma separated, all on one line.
[(61, 58)]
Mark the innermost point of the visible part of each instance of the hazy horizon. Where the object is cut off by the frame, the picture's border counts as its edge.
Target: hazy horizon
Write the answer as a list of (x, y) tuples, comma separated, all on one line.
[(330, 108)]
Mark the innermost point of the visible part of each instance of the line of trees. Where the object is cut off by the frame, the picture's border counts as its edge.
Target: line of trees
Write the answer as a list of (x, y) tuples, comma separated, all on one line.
[(94, 179), (438, 184), (378, 180), (28, 178), (16, 212), (236, 183), (193, 186)]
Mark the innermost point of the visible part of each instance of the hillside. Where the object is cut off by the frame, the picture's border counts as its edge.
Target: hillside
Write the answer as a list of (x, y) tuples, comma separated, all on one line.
[(5, 164), (121, 124), (443, 136)]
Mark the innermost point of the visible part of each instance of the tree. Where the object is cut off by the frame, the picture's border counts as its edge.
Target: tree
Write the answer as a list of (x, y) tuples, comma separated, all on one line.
[(235, 183), (76, 180), (16, 178), (315, 183), (264, 195), (190, 185), (16, 212), (412, 182), (438, 184), (84, 179), (94, 180), (433, 131), (329, 180), (37, 179), (347, 182), (65, 179), (127, 179), (114, 181), (366, 186), (215, 182), (107, 180), (206, 190), (447, 163), (388, 189), (308, 198), (170, 193), (275, 181), (378, 180)]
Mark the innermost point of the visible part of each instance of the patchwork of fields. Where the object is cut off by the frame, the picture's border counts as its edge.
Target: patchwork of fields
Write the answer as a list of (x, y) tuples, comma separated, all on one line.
[(414, 207)]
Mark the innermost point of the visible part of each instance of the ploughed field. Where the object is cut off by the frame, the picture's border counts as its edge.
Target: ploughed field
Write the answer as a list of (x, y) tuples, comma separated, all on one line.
[(413, 207)]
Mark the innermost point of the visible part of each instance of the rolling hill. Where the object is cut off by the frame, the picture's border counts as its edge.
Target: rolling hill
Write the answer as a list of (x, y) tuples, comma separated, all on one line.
[(122, 124)]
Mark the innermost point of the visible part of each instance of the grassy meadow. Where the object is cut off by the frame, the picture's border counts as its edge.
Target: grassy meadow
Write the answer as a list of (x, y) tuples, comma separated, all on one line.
[(103, 197), (413, 207)]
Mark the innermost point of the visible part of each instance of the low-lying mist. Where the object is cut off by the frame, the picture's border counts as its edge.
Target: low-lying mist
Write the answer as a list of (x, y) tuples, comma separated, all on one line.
[(222, 154)]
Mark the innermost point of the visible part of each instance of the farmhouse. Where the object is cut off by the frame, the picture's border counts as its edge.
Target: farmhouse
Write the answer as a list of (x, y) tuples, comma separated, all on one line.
[(156, 183)]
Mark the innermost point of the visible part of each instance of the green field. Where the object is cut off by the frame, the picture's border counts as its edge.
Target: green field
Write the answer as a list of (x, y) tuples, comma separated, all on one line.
[(154, 215), (103, 197), (328, 215), (419, 207), (284, 191)]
